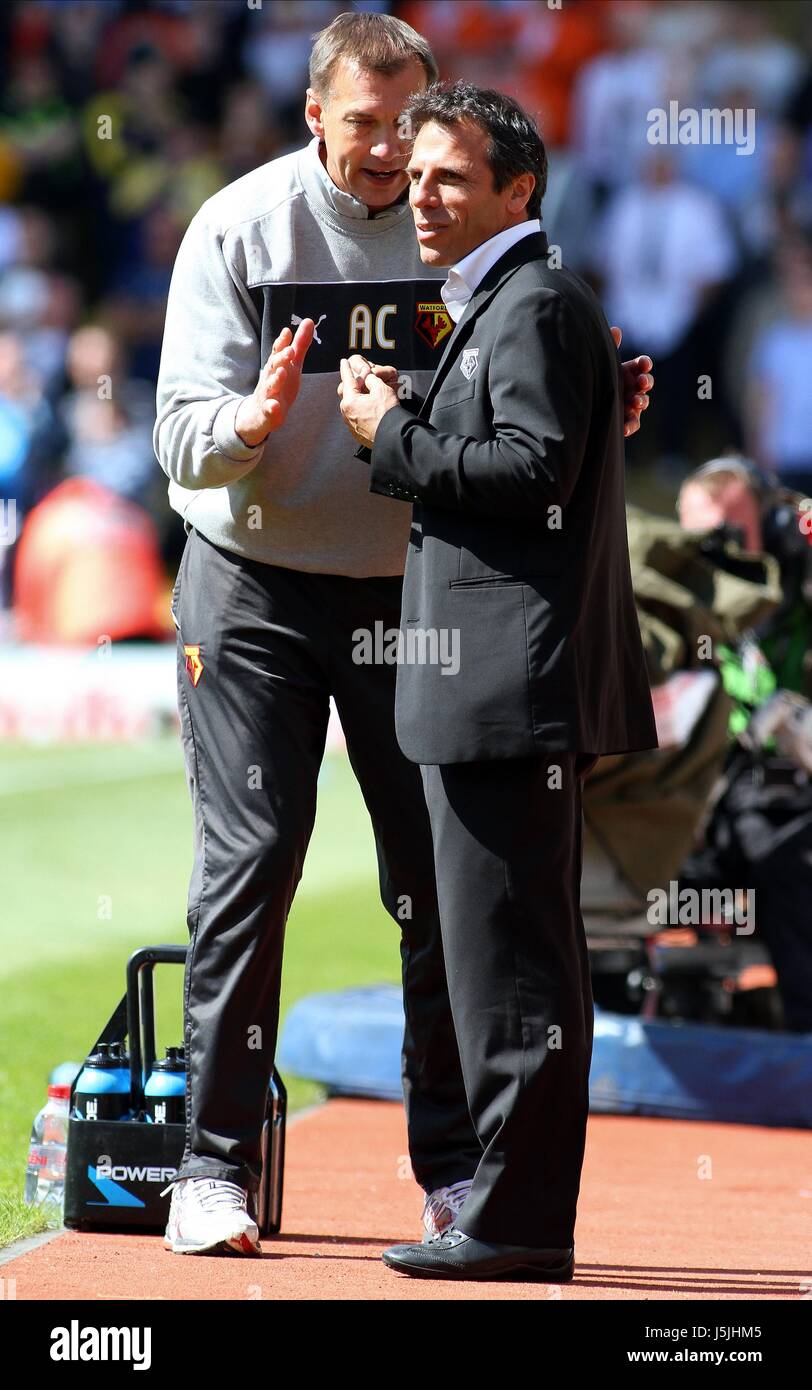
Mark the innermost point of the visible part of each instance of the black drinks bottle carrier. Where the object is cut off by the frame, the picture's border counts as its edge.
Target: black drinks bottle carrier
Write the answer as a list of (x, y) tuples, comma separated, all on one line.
[(117, 1169)]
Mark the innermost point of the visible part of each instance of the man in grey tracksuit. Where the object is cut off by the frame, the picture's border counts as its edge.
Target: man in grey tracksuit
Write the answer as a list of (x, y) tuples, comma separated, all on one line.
[(288, 557)]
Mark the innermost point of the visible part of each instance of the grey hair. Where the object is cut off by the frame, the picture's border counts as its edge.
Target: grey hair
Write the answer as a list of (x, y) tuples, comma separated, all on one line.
[(375, 42)]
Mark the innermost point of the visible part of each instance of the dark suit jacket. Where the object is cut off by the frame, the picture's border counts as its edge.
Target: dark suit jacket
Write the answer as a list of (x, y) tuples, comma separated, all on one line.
[(514, 463)]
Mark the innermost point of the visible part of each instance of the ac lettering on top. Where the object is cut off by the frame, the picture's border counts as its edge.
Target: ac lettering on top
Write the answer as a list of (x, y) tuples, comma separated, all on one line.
[(408, 328), (361, 327)]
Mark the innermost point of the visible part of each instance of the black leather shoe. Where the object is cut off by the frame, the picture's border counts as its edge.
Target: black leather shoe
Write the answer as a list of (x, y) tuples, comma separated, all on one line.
[(455, 1255)]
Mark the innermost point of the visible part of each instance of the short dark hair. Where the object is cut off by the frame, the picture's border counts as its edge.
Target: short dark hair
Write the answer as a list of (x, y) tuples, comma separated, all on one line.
[(376, 42), (514, 143)]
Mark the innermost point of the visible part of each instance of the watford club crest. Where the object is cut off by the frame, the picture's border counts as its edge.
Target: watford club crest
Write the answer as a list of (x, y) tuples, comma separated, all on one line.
[(194, 663), (433, 322)]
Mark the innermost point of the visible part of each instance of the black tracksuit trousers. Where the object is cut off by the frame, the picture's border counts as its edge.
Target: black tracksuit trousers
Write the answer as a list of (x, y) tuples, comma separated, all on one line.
[(268, 647)]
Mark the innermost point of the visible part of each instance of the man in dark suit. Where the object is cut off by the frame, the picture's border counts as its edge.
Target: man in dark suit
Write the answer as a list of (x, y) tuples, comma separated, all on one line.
[(518, 565)]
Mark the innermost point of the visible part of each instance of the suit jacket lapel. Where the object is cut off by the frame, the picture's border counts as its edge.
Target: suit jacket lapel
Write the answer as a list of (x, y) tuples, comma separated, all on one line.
[(528, 249)]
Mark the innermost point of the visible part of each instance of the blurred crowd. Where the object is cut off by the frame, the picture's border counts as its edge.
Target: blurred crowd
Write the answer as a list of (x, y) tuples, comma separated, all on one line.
[(118, 118)]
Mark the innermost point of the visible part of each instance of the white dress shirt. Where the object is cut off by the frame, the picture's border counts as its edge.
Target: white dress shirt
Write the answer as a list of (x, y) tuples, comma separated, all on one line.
[(464, 277)]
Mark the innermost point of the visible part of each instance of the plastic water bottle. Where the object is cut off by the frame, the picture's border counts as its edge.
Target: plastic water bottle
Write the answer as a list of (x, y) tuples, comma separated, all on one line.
[(103, 1088), (165, 1091), (122, 1069), (64, 1073), (47, 1153)]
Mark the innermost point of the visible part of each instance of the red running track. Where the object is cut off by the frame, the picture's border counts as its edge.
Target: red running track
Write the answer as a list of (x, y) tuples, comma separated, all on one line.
[(668, 1210)]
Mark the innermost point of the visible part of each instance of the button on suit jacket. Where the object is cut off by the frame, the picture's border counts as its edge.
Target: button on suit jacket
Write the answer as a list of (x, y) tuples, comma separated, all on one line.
[(518, 560)]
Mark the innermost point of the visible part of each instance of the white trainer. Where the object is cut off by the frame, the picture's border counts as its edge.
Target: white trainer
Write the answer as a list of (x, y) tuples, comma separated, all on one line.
[(442, 1207), (209, 1216)]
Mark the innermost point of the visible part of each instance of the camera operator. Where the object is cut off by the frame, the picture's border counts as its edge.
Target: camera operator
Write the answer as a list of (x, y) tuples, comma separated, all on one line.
[(758, 833)]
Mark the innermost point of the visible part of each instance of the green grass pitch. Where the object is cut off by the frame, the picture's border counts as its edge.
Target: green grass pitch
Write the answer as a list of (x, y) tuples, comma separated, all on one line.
[(97, 844)]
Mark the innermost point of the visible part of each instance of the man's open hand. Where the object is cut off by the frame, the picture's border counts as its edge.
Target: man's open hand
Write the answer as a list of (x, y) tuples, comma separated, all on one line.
[(637, 382), (366, 392), (278, 386)]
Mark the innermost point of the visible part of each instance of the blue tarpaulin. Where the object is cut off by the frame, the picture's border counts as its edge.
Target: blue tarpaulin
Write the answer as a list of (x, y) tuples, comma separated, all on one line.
[(350, 1041)]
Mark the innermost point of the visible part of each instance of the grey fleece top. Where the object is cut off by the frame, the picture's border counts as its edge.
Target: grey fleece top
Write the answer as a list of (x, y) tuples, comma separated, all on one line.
[(280, 244)]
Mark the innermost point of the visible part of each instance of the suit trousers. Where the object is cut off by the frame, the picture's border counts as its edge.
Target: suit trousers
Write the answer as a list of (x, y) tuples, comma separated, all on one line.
[(507, 843), (261, 649)]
